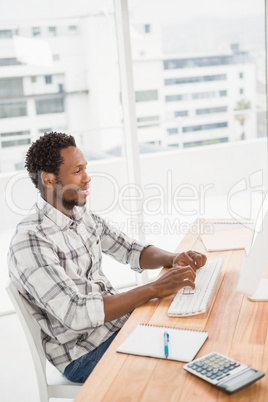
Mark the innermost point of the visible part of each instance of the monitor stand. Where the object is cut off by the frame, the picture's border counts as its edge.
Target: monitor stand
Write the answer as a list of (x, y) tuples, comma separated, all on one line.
[(261, 293)]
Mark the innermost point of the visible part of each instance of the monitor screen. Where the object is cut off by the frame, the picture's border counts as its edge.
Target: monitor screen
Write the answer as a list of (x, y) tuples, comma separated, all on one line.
[(251, 280)]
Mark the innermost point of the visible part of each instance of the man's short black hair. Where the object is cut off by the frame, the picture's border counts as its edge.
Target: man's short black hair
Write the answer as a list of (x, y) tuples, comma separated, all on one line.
[(44, 155)]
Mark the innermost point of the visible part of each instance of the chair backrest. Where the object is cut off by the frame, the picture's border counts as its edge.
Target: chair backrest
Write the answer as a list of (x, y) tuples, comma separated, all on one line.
[(33, 335)]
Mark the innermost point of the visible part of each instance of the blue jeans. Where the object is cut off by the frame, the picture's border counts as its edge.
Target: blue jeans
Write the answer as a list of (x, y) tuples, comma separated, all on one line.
[(79, 369)]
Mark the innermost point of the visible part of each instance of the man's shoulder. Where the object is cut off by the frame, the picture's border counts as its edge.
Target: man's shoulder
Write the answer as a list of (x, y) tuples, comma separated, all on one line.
[(30, 223)]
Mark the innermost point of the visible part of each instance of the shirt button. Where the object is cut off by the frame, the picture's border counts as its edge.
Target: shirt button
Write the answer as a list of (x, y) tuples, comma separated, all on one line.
[(81, 229)]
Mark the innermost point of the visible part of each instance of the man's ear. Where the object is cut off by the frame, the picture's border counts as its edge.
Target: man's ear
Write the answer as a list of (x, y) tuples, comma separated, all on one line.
[(48, 179)]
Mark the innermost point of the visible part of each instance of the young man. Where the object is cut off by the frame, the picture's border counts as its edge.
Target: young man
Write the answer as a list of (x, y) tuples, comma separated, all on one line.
[(55, 258)]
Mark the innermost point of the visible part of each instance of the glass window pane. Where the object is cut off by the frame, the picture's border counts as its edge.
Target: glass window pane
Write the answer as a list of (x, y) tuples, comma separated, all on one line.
[(72, 85), (206, 60)]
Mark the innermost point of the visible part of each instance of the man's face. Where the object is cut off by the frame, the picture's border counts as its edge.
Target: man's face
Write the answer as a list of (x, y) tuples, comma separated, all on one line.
[(72, 182)]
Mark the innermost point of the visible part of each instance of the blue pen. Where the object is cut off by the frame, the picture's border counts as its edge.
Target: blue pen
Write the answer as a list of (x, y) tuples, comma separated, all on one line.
[(166, 341)]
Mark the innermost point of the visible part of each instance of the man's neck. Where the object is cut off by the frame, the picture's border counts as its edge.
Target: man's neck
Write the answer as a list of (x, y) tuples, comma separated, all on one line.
[(57, 204)]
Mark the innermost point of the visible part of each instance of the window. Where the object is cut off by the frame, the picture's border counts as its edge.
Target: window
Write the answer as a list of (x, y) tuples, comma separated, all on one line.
[(15, 109), (148, 121), (73, 29), (209, 110), (147, 28), (61, 88), (175, 98), (192, 62), (52, 31), (209, 94), (52, 105), (172, 131), (6, 34), (48, 79), (36, 31), (13, 142), (33, 79), (9, 61), (241, 91), (241, 75), (196, 95), (200, 127), (11, 87), (181, 113), (191, 80), (56, 57), (205, 142), (146, 96), (45, 130)]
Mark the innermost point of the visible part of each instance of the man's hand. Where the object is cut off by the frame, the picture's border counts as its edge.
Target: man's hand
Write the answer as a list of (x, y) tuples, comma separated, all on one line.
[(167, 284), (193, 258), (173, 280)]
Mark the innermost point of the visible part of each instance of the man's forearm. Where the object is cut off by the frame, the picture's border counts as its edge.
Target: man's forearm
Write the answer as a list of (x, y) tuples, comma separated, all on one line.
[(153, 257), (118, 305)]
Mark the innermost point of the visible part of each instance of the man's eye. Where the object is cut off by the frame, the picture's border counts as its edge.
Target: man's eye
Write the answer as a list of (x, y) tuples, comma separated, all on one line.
[(78, 171)]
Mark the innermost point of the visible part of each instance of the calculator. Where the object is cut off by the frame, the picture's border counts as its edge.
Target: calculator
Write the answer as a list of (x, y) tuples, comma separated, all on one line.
[(223, 372)]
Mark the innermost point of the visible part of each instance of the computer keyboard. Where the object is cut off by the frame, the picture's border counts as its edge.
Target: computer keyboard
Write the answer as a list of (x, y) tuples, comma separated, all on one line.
[(190, 301)]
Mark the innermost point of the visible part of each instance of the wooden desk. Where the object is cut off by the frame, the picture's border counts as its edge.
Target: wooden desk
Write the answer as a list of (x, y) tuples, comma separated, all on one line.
[(236, 328)]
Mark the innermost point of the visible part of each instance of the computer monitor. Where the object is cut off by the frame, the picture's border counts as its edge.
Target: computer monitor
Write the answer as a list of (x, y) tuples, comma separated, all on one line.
[(251, 280)]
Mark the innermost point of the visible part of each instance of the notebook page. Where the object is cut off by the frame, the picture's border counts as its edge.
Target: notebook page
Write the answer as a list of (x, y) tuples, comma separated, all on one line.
[(147, 340)]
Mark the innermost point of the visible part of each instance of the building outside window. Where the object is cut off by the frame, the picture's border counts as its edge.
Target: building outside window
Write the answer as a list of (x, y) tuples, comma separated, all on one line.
[(146, 96), (200, 127), (48, 79), (36, 31), (52, 31), (148, 121), (147, 28), (14, 109), (191, 80), (13, 139), (11, 87), (51, 105), (181, 113), (6, 34), (73, 29), (212, 110), (9, 61)]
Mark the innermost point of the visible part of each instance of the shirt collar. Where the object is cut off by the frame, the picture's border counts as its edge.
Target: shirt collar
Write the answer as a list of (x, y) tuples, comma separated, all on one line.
[(58, 217)]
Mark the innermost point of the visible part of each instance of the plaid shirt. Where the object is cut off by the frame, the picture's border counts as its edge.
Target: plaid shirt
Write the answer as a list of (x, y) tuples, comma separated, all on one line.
[(57, 265)]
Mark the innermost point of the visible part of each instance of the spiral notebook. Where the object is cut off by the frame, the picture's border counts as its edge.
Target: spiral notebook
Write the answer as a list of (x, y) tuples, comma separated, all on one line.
[(148, 340)]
